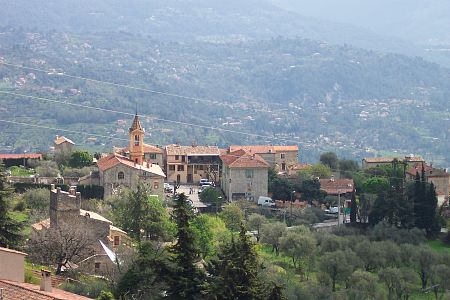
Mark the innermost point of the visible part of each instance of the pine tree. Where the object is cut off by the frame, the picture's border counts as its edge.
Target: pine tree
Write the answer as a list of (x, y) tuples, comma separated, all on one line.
[(187, 279), (9, 228), (234, 273), (353, 208)]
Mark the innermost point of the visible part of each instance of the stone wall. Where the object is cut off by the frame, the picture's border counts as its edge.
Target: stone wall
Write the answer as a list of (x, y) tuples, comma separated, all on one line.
[(254, 187)]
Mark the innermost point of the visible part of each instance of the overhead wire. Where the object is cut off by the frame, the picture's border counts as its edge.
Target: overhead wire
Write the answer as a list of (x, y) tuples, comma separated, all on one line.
[(152, 117)]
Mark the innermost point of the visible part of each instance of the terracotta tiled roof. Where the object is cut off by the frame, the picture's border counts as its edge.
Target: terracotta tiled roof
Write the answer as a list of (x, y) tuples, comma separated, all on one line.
[(147, 149), (192, 150), (62, 139), (286, 148), (115, 159), (136, 124), (21, 156), (335, 186), (260, 149), (20, 291), (390, 159), (299, 166), (429, 171), (242, 159)]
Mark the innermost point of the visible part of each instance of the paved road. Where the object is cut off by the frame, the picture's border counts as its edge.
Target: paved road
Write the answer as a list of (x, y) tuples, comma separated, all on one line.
[(194, 196)]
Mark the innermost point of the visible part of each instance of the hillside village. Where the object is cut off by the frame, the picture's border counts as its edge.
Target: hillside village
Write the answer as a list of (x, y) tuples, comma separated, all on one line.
[(239, 183)]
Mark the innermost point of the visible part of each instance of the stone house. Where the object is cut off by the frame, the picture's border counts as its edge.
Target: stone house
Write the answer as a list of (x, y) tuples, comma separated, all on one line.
[(439, 177), (65, 209), (12, 281), (63, 145), (117, 171), (281, 158), (373, 162), (189, 164), (336, 187), (244, 176)]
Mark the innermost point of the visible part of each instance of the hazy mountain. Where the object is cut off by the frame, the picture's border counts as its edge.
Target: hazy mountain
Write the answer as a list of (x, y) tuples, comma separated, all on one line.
[(212, 20), (421, 21)]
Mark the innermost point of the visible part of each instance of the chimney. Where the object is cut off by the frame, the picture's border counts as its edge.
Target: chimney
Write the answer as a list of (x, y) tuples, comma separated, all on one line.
[(46, 281), (72, 190), (52, 186)]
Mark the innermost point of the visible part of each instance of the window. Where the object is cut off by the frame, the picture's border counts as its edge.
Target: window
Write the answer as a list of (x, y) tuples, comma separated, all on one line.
[(283, 155), (116, 240), (120, 175), (177, 157), (248, 173), (152, 156), (283, 166), (183, 158), (155, 185), (97, 266), (200, 167), (171, 167), (136, 140), (180, 168)]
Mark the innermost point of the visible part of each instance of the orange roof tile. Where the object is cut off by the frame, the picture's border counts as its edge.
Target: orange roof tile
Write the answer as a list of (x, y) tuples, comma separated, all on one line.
[(62, 139), (429, 171), (286, 148), (336, 186), (192, 150), (242, 159), (115, 159), (21, 156), (258, 149), (19, 291)]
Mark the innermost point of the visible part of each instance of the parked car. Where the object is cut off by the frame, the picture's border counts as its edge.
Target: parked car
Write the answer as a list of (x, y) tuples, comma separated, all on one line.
[(266, 201), (168, 188), (206, 182)]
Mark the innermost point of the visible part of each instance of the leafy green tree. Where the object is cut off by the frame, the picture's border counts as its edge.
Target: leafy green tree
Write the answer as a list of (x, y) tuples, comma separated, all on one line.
[(9, 228), (203, 235), (233, 216), (371, 255), (330, 159), (424, 258), (440, 279), (300, 248), (186, 279), (146, 277), (105, 295), (136, 211), (364, 285), (280, 188), (80, 159), (338, 265), (234, 273), (38, 199), (399, 282), (375, 185), (271, 234), (318, 170), (212, 196), (255, 222)]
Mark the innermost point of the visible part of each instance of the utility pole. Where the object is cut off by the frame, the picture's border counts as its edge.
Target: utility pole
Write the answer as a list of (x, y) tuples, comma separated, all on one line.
[(339, 208)]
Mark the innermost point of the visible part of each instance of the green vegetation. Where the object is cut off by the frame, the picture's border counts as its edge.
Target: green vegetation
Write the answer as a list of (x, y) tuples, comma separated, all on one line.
[(19, 171), (439, 246)]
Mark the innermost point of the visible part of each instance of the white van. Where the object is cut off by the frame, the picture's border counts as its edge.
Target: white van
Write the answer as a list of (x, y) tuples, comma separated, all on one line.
[(266, 201)]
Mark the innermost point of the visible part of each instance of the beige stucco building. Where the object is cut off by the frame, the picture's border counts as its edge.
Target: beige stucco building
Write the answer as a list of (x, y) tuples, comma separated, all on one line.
[(281, 158), (12, 265), (117, 171), (439, 177), (189, 164), (373, 162), (244, 176)]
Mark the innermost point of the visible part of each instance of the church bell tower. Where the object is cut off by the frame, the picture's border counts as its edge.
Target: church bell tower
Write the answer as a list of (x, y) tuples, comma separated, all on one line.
[(137, 141)]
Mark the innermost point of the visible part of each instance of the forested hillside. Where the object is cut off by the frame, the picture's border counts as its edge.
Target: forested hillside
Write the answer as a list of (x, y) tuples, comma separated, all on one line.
[(324, 97)]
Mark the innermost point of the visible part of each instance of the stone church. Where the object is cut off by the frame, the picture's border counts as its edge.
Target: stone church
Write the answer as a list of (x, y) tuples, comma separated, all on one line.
[(117, 171)]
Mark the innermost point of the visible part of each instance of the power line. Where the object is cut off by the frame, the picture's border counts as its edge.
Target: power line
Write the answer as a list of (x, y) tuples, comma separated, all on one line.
[(212, 101), (158, 119), (60, 129)]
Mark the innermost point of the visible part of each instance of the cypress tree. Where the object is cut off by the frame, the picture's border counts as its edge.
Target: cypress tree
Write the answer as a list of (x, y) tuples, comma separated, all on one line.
[(186, 279), (9, 228), (234, 273), (353, 208)]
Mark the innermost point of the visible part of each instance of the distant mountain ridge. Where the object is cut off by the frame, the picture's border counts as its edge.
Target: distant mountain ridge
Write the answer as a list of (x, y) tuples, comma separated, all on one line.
[(212, 20)]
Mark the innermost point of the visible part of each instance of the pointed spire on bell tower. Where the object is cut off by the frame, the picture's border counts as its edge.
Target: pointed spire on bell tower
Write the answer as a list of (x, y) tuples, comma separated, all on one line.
[(136, 140)]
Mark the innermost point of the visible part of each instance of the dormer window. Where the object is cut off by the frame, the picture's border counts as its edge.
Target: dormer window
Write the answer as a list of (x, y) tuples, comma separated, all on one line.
[(136, 140)]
